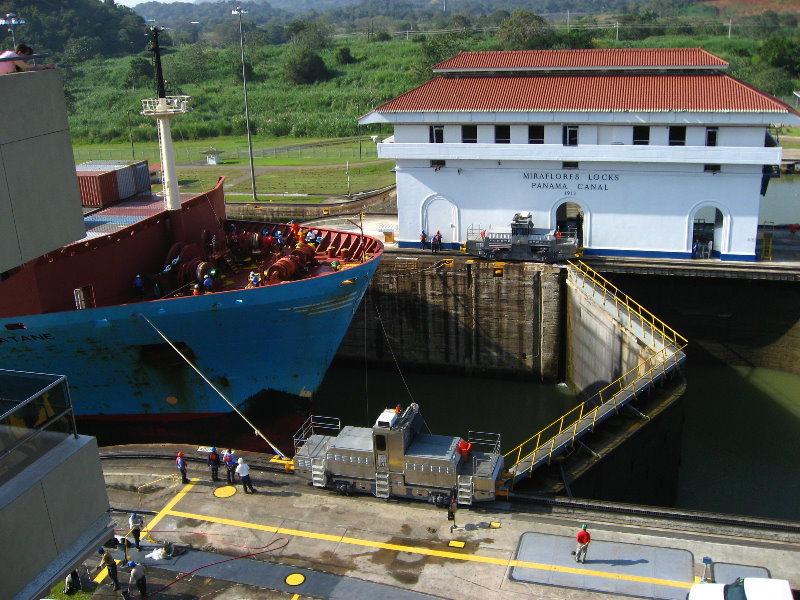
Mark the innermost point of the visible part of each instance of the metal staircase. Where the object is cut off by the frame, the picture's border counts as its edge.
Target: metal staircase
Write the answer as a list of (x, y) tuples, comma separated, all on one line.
[(667, 354), (466, 489), (382, 484), (318, 478)]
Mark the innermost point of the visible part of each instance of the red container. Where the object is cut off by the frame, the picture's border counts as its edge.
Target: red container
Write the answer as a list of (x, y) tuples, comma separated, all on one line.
[(98, 188)]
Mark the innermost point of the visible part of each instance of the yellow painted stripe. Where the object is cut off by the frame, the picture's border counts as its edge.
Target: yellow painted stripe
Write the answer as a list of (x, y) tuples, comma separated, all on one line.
[(164, 511), (178, 497), (104, 573), (430, 552)]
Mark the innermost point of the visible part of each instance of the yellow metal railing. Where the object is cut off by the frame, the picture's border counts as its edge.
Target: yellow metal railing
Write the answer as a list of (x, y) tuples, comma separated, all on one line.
[(645, 372), (139, 489), (622, 300)]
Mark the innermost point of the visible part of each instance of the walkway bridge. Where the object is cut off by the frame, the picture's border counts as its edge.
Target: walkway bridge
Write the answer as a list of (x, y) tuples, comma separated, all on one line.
[(666, 354)]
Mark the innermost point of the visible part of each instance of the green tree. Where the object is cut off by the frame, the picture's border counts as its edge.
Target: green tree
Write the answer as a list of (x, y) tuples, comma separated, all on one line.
[(314, 35), (518, 28), (305, 66), (343, 56), (79, 49), (782, 52), (140, 73)]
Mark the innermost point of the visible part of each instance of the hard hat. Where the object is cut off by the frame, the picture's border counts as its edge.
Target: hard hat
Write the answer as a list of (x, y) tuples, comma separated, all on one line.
[(180, 453), (241, 460), (133, 514), (213, 448), (584, 526), (100, 550), (131, 564)]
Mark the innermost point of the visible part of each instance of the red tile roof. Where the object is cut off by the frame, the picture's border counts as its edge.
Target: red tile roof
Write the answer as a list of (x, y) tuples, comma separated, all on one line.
[(631, 58), (585, 93)]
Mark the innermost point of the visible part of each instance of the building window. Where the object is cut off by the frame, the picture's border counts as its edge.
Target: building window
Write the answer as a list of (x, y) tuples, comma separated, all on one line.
[(641, 135), (536, 134), (712, 168), (502, 134), (436, 133), (469, 134), (677, 135), (570, 135), (711, 136), (569, 165)]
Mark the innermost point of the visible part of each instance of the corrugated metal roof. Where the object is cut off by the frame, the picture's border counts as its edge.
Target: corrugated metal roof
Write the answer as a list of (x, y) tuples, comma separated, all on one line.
[(583, 59), (586, 93)]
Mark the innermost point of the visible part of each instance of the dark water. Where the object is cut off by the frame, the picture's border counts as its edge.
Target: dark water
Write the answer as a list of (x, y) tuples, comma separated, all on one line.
[(741, 426), (740, 435), (740, 442)]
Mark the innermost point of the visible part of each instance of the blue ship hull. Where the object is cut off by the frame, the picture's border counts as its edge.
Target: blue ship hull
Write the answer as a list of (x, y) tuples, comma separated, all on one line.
[(278, 338)]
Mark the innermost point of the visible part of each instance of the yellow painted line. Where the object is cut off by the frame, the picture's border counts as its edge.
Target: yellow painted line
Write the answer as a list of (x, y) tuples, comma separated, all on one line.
[(456, 544), (296, 597), (104, 573), (146, 531), (164, 511), (428, 551)]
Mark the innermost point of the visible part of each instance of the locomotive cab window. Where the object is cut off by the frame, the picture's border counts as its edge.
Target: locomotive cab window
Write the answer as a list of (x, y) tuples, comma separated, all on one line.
[(380, 443)]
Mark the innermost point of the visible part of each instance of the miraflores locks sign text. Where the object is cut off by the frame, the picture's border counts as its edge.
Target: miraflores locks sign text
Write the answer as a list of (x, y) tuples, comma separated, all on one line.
[(570, 182)]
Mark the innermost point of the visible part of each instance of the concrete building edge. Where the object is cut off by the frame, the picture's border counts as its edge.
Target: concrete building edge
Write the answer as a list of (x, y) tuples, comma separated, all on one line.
[(80, 550)]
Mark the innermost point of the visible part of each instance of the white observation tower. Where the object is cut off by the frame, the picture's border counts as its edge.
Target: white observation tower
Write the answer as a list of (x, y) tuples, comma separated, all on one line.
[(163, 108)]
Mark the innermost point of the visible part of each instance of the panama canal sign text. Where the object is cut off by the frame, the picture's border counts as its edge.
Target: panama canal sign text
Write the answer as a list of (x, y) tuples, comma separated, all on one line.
[(571, 182)]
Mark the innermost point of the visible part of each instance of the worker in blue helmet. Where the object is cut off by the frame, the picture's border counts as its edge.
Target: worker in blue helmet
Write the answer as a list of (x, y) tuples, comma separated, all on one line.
[(136, 522), (138, 578), (213, 462)]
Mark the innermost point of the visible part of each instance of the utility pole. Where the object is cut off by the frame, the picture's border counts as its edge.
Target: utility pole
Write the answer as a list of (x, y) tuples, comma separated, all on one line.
[(730, 26), (240, 11), (617, 30)]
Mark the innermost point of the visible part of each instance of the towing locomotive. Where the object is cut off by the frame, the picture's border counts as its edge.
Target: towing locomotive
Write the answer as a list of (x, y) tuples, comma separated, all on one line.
[(394, 458), (525, 242)]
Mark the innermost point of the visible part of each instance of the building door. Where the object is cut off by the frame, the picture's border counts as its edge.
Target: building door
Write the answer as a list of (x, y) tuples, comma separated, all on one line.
[(438, 213)]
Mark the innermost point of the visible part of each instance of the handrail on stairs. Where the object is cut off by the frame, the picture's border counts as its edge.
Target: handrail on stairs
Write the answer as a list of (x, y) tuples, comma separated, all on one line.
[(644, 372), (621, 299)]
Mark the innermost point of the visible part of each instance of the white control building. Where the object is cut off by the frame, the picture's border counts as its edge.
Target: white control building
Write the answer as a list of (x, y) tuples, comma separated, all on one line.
[(645, 152)]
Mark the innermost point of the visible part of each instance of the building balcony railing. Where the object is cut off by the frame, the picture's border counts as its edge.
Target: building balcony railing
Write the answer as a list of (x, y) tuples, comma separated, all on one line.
[(729, 155)]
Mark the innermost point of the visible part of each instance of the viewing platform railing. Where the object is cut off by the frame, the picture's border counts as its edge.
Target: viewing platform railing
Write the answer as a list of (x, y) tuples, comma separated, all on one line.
[(36, 416)]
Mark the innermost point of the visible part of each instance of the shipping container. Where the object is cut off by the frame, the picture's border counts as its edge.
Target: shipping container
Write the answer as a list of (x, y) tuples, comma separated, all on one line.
[(98, 188)]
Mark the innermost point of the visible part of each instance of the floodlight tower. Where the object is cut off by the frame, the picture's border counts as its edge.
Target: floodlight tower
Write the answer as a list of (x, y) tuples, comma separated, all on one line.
[(163, 108), (11, 20)]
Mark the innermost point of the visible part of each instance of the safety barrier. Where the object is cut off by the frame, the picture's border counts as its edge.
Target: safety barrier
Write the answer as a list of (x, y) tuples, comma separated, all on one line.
[(562, 433)]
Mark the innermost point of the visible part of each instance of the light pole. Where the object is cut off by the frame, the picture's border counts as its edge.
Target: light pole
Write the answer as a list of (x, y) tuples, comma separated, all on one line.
[(11, 20), (240, 11)]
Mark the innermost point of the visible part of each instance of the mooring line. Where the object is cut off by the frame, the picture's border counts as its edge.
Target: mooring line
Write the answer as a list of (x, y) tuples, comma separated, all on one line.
[(213, 387)]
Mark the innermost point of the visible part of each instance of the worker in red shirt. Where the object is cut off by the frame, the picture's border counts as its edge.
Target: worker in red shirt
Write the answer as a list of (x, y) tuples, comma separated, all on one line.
[(583, 538)]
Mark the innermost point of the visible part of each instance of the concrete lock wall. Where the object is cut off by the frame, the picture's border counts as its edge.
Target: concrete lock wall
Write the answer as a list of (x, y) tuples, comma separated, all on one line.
[(47, 508), (464, 317), (599, 349)]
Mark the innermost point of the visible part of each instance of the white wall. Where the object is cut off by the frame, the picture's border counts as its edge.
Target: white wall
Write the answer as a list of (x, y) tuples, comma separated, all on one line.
[(644, 208)]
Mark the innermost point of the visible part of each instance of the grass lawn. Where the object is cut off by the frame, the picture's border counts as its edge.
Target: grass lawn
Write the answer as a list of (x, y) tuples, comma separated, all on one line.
[(266, 151), (323, 180)]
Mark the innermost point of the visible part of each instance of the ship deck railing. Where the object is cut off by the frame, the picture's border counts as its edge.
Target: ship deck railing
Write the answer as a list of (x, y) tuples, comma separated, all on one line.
[(37, 416), (667, 354)]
